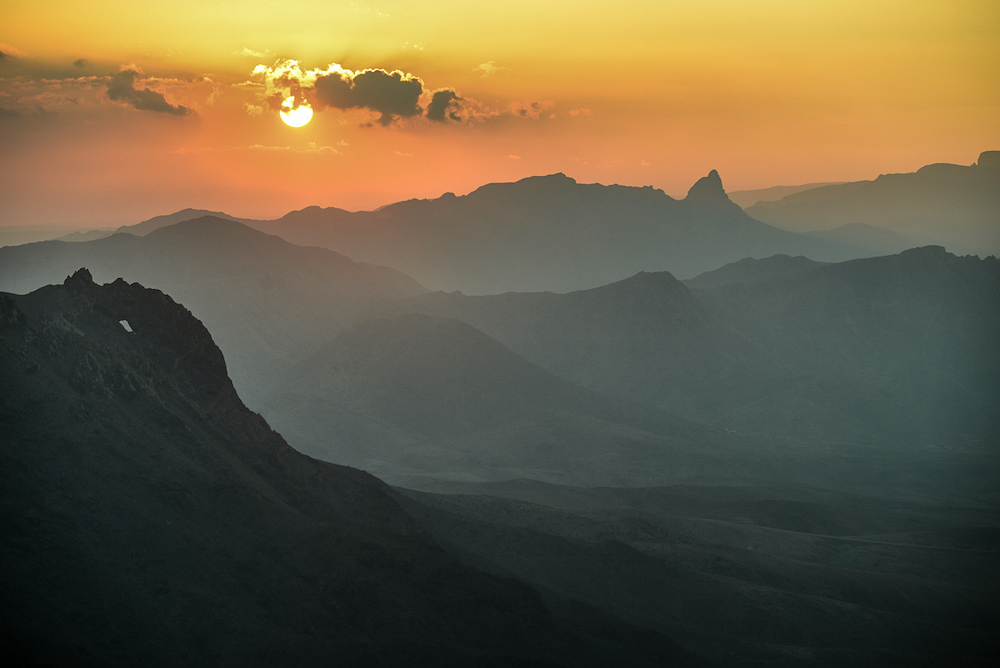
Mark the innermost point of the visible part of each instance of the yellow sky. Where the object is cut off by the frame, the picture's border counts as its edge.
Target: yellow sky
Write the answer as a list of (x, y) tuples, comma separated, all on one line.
[(634, 92)]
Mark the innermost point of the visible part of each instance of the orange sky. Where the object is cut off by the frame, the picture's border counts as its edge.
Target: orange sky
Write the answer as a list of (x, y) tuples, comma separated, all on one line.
[(92, 98)]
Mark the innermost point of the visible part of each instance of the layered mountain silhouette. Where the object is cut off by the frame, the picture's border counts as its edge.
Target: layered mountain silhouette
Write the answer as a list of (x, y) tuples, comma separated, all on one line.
[(267, 302), (550, 233), (752, 270), (951, 205), (746, 198), (150, 518), (898, 347), (417, 394), (645, 339), (893, 348), (886, 349)]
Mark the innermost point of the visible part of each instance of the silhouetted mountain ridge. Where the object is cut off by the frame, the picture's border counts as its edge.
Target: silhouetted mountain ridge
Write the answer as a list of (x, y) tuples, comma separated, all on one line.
[(951, 205), (267, 301), (550, 233)]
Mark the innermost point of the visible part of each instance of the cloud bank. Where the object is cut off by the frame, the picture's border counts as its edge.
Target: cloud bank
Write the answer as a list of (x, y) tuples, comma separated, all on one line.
[(391, 96)]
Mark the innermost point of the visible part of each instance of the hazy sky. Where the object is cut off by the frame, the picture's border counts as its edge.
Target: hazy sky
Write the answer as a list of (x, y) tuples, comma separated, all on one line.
[(112, 111)]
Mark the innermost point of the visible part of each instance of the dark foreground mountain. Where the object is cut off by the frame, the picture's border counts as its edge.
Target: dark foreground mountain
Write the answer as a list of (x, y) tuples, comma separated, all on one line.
[(957, 206), (149, 518), (267, 302), (551, 233)]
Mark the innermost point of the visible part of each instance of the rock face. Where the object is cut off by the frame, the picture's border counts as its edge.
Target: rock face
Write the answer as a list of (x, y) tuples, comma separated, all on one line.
[(150, 518)]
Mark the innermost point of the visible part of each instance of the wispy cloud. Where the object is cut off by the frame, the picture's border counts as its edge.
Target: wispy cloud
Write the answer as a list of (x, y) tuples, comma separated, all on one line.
[(250, 53), (534, 110), (311, 147), (488, 69)]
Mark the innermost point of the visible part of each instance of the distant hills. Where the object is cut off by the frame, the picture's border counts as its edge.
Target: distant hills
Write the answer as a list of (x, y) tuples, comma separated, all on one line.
[(955, 206), (889, 349), (422, 395), (150, 518), (746, 198), (545, 233), (884, 349), (551, 233)]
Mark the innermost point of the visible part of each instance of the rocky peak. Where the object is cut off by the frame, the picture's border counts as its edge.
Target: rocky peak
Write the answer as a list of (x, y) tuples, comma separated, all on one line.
[(708, 192), (990, 159), (81, 279), (162, 331)]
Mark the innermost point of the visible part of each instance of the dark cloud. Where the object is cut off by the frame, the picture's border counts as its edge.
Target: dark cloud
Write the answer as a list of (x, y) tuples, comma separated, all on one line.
[(80, 62), (122, 87), (442, 100), (9, 113), (392, 94)]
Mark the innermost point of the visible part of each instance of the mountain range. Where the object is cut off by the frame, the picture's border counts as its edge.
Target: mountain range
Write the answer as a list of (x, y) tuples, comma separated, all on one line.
[(785, 460), (422, 395), (267, 302), (550, 233), (150, 518), (894, 349), (543, 233), (951, 205)]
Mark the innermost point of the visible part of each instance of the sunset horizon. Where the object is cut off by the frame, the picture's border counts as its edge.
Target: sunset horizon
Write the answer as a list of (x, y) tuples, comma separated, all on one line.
[(109, 116), (382, 333)]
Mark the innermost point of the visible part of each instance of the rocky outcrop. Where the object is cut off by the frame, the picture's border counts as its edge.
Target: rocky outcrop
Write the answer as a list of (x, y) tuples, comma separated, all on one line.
[(707, 192)]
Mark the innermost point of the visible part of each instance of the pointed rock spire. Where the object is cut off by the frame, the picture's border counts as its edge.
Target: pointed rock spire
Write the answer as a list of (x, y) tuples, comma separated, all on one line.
[(81, 278), (708, 192)]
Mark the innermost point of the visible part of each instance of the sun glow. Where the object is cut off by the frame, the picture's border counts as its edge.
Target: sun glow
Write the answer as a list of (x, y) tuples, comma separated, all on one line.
[(294, 116)]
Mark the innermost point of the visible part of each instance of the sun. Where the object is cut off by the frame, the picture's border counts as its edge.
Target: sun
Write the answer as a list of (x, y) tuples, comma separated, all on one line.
[(294, 116)]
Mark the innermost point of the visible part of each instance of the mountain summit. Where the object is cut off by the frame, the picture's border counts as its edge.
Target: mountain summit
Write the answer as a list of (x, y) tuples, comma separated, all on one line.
[(708, 192)]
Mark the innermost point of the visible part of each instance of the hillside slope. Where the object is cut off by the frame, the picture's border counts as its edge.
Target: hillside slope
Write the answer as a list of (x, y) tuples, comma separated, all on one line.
[(150, 518)]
